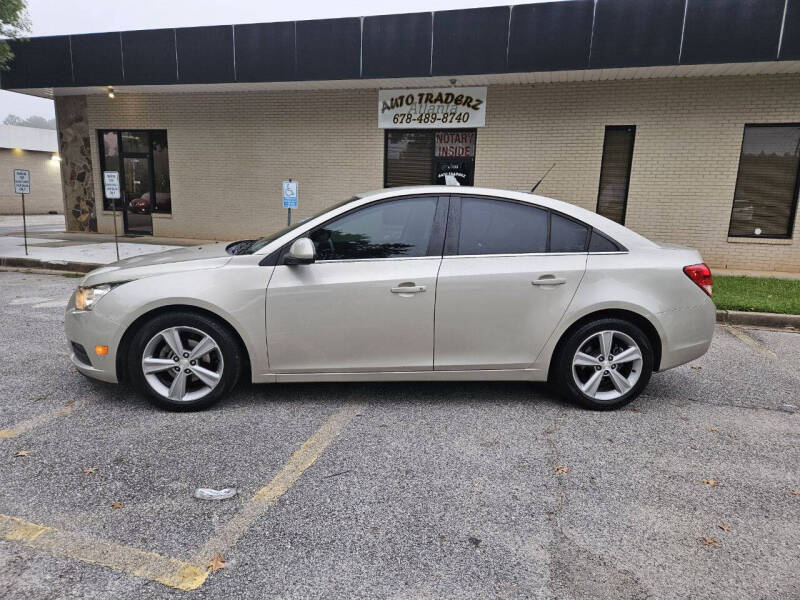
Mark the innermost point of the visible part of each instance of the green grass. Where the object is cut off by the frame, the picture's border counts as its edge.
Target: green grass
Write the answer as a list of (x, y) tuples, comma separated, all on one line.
[(759, 294)]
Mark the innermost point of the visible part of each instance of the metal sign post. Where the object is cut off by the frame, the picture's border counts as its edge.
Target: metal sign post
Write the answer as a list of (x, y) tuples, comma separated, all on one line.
[(22, 186), (289, 199), (24, 225), (112, 191)]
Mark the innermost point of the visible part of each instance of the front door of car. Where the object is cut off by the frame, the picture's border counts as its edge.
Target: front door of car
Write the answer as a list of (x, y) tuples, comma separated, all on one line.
[(500, 292), (367, 302)]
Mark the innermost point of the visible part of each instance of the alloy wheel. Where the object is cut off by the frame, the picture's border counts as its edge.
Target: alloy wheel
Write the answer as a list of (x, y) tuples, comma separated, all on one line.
[(607, 365), (182, 364)]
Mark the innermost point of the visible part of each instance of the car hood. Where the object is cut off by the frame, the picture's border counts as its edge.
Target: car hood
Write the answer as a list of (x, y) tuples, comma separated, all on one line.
[(207, 256)]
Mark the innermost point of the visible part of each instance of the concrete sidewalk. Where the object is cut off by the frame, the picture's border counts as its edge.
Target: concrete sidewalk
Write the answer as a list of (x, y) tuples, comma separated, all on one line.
[(768, 274), (52, 248), (51, 228), (37, 224), (51, 251)]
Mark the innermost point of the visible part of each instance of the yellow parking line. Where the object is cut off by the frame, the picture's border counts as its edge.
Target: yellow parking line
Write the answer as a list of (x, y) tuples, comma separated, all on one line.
[(163, 569), (132, 561), (268, 496), (28, 424), (746, 339)]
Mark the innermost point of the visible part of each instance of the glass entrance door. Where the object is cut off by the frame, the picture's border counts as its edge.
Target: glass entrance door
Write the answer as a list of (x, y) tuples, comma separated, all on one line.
[(140, 158), (138, 183)]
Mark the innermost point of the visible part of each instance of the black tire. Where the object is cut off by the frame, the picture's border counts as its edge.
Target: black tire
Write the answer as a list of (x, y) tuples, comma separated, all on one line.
[(563, 374), (226, 342)]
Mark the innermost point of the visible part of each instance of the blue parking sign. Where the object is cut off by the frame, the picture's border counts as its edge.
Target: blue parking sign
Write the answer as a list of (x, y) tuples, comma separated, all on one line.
[(289, 194)]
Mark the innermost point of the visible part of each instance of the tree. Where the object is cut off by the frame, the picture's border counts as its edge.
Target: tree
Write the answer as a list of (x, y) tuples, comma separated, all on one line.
[(14, 24), (32, 121)]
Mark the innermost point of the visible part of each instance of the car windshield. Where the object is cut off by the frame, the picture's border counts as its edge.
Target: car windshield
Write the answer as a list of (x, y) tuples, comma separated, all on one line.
[(256, 245)]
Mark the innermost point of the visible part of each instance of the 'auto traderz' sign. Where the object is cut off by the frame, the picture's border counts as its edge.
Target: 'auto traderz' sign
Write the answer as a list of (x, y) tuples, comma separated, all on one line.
[(432, 108)]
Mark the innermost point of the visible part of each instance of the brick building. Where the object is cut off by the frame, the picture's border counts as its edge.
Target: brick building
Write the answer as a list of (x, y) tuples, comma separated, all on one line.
[(679, 118), (35, 150)]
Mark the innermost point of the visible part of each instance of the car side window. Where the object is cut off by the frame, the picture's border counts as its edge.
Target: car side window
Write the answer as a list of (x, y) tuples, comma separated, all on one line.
[(496, 227), (392, 229), (567, 235), (600, 243)]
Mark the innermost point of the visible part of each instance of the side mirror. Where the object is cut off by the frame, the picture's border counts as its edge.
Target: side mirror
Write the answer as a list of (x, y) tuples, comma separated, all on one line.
[(301, 252)]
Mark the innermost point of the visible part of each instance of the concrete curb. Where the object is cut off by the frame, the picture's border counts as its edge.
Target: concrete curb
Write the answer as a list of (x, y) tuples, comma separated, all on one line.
[(57, 265), (758, 319)]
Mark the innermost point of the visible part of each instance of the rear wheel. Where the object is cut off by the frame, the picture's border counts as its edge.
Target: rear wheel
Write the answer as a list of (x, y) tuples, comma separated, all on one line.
[(604, 364), (184, 361)]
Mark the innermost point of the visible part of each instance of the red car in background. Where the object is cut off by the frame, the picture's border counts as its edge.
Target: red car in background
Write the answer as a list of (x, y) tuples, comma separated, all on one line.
[(141, 205)]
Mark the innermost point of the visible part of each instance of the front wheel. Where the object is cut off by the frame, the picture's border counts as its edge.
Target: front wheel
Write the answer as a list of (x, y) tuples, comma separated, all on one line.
[(184, 361), (604, 364)]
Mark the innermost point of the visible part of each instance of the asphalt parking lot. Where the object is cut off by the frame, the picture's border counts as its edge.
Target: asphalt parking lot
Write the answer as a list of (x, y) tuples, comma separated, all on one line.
[(457, 490)]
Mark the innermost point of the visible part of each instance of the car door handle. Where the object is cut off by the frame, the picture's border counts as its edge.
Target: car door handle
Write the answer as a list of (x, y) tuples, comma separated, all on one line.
[(408, 289), (549, 281)]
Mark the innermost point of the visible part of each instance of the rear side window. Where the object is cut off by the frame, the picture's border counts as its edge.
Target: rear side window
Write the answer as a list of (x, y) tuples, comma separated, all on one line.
[(600, 243), (567, 235), (496, 227)]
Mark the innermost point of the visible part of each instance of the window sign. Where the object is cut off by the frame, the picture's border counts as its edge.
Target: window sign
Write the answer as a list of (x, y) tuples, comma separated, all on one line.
[(454, 157), (111, 185), (455, 144), (22, 181), (432, 108), (290, 194)]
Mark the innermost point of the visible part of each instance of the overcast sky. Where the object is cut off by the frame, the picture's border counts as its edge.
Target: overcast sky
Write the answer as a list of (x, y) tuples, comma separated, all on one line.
[(53, 17)]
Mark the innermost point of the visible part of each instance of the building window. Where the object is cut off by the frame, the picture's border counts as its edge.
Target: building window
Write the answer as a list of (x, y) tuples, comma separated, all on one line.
[(142, 161), (615, 172), (429, 157), (765, 199)]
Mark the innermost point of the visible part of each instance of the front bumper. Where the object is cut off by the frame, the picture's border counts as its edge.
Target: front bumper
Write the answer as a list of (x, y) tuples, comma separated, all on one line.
[(88, 329)]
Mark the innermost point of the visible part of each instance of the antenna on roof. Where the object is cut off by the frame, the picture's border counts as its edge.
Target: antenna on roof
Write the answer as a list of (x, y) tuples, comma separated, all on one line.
[(533, 189)]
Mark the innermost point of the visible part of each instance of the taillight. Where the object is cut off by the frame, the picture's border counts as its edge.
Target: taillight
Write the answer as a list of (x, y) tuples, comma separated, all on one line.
[(701, 275)]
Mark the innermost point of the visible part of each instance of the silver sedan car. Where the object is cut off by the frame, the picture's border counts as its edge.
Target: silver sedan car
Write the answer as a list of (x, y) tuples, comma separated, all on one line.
[(406, 284)]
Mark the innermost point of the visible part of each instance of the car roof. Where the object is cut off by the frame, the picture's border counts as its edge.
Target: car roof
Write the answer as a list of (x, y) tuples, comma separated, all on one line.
[(622, 234)]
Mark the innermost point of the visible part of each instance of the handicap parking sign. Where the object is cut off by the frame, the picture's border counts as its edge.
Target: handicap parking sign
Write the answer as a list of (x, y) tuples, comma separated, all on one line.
[(289, 194)]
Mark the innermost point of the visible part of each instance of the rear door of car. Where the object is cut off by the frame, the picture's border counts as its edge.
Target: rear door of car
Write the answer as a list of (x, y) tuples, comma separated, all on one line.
[(509, 271)]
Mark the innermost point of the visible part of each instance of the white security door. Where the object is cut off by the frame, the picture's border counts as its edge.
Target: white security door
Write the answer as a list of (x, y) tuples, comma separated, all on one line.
[(367, 302), (501, 293)]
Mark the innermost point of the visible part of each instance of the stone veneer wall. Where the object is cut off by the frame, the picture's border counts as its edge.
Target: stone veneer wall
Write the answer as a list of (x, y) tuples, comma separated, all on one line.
[(76, 163)]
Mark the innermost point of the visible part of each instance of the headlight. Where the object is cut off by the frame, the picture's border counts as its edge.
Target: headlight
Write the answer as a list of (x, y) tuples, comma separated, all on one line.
[(87, 297)]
